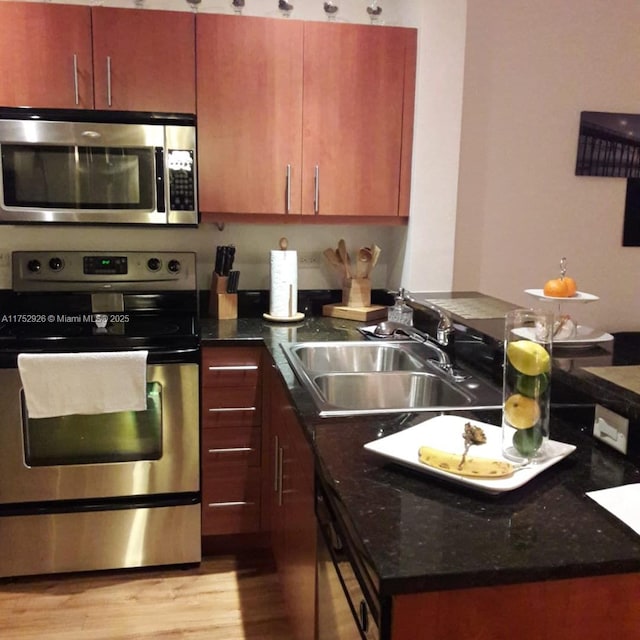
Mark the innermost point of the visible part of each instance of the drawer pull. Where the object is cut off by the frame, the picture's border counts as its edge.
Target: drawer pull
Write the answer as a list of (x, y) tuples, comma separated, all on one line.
[(239, 503), (225, 409), (233, 367), (231, 449)]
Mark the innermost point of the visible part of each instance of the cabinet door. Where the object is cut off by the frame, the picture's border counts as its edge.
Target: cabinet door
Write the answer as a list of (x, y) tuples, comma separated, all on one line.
[(144, 60), (45, 55), (354, 118), (293, 523), (249, 80), (300, 533)]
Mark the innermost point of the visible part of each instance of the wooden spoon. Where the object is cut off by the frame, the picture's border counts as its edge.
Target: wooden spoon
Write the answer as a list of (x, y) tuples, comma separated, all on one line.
[(334, 260), (375, 254), (363, 265), (344, 257)]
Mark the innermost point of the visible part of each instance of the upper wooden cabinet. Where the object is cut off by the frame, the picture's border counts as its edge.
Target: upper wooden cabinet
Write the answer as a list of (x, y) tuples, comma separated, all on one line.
[(144, 60), (359, 85), (56, 56), (303, 117), (249, 106), (45, 55)]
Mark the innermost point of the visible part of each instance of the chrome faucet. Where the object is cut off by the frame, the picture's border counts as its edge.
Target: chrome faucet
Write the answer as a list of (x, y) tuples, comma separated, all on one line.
[(445, 325), (390, 329)]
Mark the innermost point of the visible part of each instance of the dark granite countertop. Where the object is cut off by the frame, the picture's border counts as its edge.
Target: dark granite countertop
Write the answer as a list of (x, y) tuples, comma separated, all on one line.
[(417, 533)]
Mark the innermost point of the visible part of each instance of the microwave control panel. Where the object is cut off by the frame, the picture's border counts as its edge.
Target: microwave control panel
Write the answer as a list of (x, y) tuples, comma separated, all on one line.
[(180, 164)]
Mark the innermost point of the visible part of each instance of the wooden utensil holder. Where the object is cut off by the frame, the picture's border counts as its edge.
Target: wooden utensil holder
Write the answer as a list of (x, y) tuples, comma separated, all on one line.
[(222, 305), (356, 292)]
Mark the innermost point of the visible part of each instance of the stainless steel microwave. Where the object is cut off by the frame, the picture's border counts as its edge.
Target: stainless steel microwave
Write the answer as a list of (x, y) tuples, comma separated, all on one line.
[(97, 167)]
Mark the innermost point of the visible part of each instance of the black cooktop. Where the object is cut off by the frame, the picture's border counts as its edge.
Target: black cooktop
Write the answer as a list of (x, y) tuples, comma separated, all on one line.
[(159, 322)]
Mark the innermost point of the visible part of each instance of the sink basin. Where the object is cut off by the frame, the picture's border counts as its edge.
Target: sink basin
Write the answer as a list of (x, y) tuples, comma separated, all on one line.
[(348, 378), (354, 357), (401, 390)]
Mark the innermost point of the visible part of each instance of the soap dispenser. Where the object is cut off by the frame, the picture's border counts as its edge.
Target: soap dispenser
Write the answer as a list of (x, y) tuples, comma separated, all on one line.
[(400, 311)]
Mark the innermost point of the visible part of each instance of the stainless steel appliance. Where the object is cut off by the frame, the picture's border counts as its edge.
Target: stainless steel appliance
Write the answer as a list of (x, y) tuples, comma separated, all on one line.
[(347, 606), (109, 490), (97, 167)]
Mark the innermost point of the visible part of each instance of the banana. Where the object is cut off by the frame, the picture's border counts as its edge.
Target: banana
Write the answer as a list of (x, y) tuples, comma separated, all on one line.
[(472, 467)]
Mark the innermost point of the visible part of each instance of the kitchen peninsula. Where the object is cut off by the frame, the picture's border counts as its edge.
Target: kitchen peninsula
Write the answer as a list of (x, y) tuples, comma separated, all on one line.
[(540, 561)]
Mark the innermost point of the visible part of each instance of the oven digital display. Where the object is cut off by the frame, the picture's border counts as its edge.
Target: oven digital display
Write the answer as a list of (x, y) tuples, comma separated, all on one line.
[(105, 265)]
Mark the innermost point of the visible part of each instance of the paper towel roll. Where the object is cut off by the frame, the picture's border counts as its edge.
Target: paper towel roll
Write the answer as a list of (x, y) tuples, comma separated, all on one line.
[(284, 284)]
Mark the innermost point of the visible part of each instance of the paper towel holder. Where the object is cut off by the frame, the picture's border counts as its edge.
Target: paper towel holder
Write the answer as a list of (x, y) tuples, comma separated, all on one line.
[(293, 316)]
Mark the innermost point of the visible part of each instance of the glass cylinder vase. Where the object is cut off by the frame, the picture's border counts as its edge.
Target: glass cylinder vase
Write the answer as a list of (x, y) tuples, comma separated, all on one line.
[(526, 384)]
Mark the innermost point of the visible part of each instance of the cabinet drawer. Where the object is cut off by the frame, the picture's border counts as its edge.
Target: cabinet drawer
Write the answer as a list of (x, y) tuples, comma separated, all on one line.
[(231, 518), (231, 407), (231, 483), (231, 500), (231, 367), (236, 445)]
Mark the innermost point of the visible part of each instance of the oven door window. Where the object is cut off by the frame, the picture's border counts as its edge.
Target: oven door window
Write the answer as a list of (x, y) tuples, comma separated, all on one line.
[(72, 177), (124, 436)]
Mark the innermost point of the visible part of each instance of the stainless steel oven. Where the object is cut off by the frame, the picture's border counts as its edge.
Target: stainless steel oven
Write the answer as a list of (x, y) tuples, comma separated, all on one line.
[(106, 490), (97, 167)]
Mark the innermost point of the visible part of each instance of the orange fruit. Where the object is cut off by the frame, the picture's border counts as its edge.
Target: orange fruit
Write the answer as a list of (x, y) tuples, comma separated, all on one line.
[(572, 288), (556, 288)]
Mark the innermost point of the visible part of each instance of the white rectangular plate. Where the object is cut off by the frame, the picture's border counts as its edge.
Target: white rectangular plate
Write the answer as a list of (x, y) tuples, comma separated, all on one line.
[(585, 337), (445, 433)]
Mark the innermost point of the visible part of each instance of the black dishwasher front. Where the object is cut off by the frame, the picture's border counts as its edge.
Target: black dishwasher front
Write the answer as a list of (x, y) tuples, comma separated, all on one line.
[(345, 608)]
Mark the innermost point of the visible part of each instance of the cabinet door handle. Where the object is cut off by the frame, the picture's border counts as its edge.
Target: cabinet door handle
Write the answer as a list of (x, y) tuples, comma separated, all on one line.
[(288, 205), (76, 88), (232, 450), (276, 464), (280, 462), (235, 503), (316, 190), (233, 367), (109, 80)]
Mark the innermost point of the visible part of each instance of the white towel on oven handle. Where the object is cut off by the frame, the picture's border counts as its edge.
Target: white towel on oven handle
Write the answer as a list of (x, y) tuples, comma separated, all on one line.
[(58, 384)]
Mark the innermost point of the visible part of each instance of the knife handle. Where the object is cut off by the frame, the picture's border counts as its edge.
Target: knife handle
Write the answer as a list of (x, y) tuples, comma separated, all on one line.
[(219, 260)]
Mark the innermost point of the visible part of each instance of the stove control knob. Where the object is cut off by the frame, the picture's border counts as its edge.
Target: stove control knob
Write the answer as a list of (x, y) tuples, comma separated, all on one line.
[(174, 266), (56, 264), (153, 264), (34, 266)]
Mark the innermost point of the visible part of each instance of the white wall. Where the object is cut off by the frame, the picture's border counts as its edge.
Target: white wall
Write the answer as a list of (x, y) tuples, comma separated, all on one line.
[(531, 67), (253, 243), (428, 262)]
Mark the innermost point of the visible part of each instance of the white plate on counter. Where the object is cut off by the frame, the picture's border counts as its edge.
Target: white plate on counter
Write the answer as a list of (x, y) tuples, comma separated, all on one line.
[(445, 433), (586, 337), (580, 296)]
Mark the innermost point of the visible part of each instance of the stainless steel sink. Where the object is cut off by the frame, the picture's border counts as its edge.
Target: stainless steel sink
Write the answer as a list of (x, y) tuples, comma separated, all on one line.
[(351, 357), (400, 390), (348, 378)]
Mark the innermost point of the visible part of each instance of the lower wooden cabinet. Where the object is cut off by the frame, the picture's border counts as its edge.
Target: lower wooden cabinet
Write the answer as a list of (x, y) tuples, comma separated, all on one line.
[(231, 461), (290, 485), (258, 470)]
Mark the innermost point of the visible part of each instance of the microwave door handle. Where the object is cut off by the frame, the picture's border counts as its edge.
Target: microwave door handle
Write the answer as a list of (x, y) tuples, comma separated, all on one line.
[(160, 179)]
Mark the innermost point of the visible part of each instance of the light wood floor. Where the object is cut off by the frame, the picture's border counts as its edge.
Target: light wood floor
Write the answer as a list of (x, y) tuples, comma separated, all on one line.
[(226, 598)]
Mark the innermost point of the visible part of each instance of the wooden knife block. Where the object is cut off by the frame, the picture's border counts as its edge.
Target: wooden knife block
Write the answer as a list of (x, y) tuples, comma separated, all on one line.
[(222, 305)]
